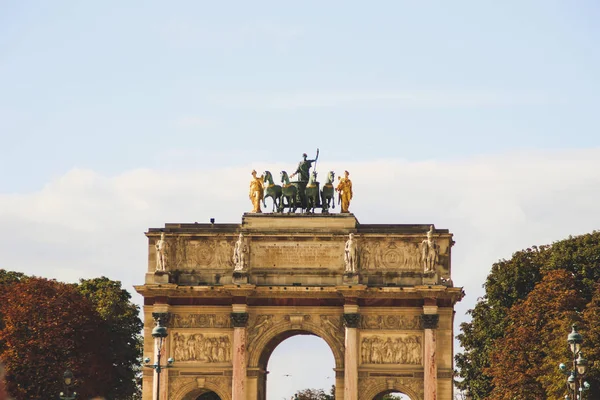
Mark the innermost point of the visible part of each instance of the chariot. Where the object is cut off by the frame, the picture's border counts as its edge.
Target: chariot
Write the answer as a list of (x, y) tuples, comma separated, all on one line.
[(294, 195)]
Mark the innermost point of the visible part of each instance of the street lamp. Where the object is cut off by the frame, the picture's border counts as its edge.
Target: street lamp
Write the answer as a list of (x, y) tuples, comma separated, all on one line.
[(575, 381), (159, 333), (68, 381)]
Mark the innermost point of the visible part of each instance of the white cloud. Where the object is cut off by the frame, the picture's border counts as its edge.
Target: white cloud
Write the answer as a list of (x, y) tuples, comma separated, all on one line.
[(85, 224)]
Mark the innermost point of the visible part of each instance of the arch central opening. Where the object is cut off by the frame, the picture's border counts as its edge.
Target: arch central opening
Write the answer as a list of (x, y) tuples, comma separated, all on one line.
[(392, 395), (208, 396), (293, 361)]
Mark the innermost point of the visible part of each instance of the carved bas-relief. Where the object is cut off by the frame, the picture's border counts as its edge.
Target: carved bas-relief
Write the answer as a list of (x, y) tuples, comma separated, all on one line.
[(333, 326), (200, 321), (203, 348), (183, 254), (430, 252), (259, 325), (399, 322), (405, 349), (390, 255)]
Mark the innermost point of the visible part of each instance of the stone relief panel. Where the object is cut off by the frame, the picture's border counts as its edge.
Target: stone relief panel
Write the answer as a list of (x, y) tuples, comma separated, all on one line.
[(299, 254), (400, 255), (187, 254), (177, 384), (259, 324), (397, 349), (397, 322), (200, 321), (201, 347), (333, 325)]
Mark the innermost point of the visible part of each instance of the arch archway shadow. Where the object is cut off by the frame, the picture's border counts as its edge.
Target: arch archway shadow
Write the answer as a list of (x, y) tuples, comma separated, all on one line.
[(381, 395), (192, 391), (208, 396), (274, 340)]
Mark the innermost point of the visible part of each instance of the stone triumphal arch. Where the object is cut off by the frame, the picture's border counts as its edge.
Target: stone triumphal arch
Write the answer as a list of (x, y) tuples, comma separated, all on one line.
[(381, 296)]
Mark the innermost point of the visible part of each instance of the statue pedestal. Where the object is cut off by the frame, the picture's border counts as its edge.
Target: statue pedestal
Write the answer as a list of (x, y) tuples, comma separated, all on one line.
[(239, 277), (161, 277), (350, 278)]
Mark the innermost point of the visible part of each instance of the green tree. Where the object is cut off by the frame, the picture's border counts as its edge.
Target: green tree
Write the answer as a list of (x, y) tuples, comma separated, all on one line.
[(8, 277), (391, 396), (509, 282), (315, 394), (122, 320)]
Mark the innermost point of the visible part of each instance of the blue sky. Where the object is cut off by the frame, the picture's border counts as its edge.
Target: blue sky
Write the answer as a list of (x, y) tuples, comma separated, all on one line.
[(113, 85), (478, 116)]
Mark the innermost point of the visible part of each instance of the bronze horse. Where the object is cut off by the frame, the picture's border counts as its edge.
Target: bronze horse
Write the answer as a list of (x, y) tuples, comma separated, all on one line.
[(328, 193), (271, 190), (311, 193), (289, 193)]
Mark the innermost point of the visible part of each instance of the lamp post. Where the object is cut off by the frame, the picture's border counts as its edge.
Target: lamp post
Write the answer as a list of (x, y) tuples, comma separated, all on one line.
[(159, 333), (575, 381), (68, 381)]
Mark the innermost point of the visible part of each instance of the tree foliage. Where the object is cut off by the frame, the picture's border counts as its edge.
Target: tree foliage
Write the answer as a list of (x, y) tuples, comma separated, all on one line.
[(125, 342), (497, 322), (524, 362), (315, 394), (391, 396), (48, 327)]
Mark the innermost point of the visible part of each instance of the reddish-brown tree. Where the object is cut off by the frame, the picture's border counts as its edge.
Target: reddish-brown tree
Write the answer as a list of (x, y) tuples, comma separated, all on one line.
[(48, 327), (524, 363), (590, 329)]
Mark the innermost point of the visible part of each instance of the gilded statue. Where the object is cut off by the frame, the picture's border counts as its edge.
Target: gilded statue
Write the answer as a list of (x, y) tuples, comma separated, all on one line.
[(256, 192), (430, 252), (304, 168), (344, 188), (161, 253)]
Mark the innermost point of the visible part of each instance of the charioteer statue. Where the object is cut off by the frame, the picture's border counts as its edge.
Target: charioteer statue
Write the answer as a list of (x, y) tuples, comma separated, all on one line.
[(304, 168)]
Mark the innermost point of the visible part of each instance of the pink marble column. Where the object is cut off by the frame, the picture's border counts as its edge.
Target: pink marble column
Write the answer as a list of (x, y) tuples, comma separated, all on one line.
[(351, 357), (239, 321), (430, 323)]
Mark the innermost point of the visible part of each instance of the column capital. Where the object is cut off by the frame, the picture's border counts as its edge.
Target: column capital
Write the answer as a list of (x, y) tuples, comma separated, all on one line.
[(161, 318), (430, 321), (351, 320), (239, 319)]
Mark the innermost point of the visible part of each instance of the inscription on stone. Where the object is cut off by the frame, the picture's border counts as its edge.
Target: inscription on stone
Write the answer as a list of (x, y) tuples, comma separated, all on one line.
[(296, 255)]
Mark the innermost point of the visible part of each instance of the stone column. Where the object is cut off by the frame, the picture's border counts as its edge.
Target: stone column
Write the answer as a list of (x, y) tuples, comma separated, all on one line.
[(430, 324), (351, 356), (239, 321)]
